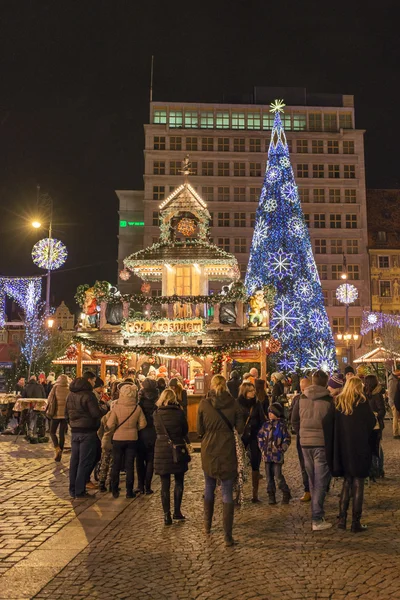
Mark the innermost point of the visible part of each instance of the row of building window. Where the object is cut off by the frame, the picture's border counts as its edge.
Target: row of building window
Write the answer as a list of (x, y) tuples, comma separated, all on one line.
[(334, 272), (319, 171), (335, 246), (253, 120), (339, 325), (320, 221), (386, 262), (241, 144), (331, 195)]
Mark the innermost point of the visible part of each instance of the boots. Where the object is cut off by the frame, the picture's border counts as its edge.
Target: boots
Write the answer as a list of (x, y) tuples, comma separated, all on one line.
[(344, 504), (57, 453), (166, 504), (208, 515), (227, 516), (167, 519), (306, 497), (178, 493), (271, 498), (255, 478), (286, 495), (358, 497)]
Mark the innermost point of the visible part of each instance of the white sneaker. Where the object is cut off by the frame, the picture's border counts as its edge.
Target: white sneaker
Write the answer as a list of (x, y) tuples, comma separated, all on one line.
[(320, 525)]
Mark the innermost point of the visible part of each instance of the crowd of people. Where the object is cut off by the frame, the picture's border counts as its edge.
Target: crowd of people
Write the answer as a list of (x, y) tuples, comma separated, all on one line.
[(138, 425)]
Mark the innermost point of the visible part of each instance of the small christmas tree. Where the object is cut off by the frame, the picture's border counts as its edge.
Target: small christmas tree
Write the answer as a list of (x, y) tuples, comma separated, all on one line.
[(281, 255)]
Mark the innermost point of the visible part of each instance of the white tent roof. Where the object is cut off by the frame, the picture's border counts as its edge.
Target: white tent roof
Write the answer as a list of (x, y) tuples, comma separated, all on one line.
[(377, 355)]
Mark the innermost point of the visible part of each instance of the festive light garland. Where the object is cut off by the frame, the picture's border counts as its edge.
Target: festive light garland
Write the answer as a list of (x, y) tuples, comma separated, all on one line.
[(124, 275), (187, 227), (372, 321), (49, 254), (281, 255), (26, 291)]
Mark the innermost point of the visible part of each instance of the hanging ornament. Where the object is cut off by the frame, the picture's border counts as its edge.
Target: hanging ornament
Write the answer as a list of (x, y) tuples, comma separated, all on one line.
[(347, 293), (124, 275), (186, 227), (146, 287), (49, 254)]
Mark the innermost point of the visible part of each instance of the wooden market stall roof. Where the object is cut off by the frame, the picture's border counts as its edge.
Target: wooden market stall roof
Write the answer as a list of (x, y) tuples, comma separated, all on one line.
[(377, 355)]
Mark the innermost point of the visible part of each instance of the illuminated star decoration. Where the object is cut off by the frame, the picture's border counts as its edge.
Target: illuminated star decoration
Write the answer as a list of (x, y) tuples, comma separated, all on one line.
[(347, 293), (287, 363), (304, 289), (289, 191), (296, 226), (318, 320), (320, 357), (273, 174), (285, 318), (372, 319), (270, 204), (260, 232), (49, 254), (277, 106), (282, 263)]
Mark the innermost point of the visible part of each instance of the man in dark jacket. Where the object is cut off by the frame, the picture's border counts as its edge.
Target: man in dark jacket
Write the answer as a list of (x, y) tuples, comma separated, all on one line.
[(307, 417), (234, 384), (83, 413), (305, 382), (33, 389), (147, 398)]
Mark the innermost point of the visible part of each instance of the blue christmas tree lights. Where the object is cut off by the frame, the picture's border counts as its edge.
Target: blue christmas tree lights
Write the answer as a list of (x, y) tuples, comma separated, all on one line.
[(281, 255)]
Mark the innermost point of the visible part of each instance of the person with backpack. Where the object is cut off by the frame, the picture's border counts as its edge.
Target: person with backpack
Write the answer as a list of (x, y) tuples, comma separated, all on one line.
[(55, 411), (273, 440), (218, 417)]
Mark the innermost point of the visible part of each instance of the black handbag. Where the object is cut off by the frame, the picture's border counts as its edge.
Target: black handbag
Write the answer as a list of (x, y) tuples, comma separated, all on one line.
[(180, 452)]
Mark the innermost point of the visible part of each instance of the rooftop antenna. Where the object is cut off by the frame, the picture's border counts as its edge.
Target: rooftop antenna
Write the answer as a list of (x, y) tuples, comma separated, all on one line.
[(151, 82)]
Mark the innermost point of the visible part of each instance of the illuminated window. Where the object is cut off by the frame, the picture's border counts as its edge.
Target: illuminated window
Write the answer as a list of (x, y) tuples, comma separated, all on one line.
[(158, 192), (315, 121), (207, 168), (239, 219), (224, 244), (239, 194), (207, 193), (286, 121), (240, 245), (348, 147), (223, 169), (299, 122), (317, 146), (319, 221), (255, 145), (352, 246), (302, 146), (175, 143), (334, 196), (349, 171), (322, 272), (383, 262), (253, 121), (191, 120), (254, 194), (318, 171), (222, 120), (333, 147), (160, 117), (238, 120), (268, 121), (159, 142), (207, 120), (175, 118), (320, 246), (319, 195), (353, 272), (238, 144), (337, 270), (159, 167), (191, 143), (338, 325), (255, 169), (223, 144), (304, 194), (336, 247), (183, 281), (385, 289), (239, 169), (223, 194), (207, 144), (345, 121), (350, 196), (156, 218), (302, 170), (334, 171), (330, 122), (351, 221), (223, 219)]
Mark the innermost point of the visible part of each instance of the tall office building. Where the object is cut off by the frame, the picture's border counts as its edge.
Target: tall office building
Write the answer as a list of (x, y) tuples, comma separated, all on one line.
[(228, 144)]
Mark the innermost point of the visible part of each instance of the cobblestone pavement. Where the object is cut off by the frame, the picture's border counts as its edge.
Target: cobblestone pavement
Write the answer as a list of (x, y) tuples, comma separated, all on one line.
[(277, 557)]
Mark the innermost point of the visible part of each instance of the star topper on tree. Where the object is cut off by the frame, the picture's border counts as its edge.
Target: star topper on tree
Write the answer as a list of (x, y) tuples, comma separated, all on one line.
[(281, 255)]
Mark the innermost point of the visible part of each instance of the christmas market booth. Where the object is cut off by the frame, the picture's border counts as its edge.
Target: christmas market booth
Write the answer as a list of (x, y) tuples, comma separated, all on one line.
[(189, 328)]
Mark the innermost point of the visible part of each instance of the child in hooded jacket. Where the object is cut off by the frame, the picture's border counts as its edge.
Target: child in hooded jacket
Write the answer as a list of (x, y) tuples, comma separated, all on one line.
[(274, 440)]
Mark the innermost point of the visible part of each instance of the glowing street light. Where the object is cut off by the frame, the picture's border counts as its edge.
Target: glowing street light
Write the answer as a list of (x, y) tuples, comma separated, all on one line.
[(36, 224)]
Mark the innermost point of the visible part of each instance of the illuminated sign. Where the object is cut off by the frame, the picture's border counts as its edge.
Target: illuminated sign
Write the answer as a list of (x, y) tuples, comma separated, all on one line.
[(124, 223), (164, 326)]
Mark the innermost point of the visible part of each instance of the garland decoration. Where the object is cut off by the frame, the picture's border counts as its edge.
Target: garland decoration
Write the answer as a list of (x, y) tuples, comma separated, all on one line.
[(186, 227)]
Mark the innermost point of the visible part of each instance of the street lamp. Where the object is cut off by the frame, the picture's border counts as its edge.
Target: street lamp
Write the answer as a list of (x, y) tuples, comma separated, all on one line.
[(346, 293)]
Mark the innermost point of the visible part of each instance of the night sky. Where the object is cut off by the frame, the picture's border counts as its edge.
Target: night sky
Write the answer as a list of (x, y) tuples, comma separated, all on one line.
[(74, 81)]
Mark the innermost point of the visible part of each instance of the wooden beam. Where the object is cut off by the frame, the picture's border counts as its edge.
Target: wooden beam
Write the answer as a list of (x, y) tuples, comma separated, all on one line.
[(103, 371), (263, 360), (79, 356)]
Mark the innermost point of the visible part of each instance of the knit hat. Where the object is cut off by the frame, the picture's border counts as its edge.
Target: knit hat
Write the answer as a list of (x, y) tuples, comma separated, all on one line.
[(349, 369), (278, 376), (173, 382), (128, 392), (276, 409), (336, 381), (98, 383)]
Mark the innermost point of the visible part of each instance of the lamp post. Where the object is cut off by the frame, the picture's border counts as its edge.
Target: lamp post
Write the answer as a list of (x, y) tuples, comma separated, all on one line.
[(46, 201), (346, 293)]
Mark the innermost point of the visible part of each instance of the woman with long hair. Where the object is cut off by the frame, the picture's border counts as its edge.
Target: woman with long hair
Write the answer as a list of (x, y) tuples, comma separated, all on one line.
[(253, 417), (171, 428), (217, 417), (374, 394), (180, 393), (348, 427), (148, 395)]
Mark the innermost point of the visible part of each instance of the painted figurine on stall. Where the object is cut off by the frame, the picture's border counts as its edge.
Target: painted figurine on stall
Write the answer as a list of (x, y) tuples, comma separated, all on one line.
[(258, 315)]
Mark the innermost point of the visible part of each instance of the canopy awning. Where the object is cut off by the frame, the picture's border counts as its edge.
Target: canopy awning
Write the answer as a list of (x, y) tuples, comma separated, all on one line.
[(378, 355)]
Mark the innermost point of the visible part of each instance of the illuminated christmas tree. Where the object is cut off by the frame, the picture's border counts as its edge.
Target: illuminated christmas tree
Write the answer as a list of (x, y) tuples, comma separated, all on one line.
[(281, 255)]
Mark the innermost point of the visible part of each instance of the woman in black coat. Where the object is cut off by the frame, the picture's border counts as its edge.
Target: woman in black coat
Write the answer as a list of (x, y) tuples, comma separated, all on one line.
[(347, 428), (147, 398), (374, 395), (253, 418), (170, 423)]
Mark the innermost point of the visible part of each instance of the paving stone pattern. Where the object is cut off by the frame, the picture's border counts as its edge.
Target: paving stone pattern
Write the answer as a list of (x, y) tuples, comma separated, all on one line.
[(277, 557)]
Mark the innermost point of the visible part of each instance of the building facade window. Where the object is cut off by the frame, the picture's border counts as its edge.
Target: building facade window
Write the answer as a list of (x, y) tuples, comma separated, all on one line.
[(333, 147), (207, 193), (239, 169), (315, 121), (336, 247), (334, 196), (307, 219), (302, 170), (222, 120), (353, 272), (338, 325), (304, 195), (191, 144), (355, 325), (350, 196), (337, 270), (239, 194), (207, 144), (320, 246), (382, 236), (351, 221), (194, 170), (175, 167), (383, 262), (322, 272), (268, 121), (330, 122), (175, 143), (160, 117), (211, 222), (352, 246), (345, 121), (349, 171), (317, 146), (240, 246), (223, 194), (299, 122), (175, 118), (223, 169), (319, 221), (207, 120), (335, 221), (156, 218), (334, 171), (348, 147), (239, 219), (255, 169), (159, 167), (252, 219), (239, 144), (255, 145), (159, 142), (318, 171), (253, 121), (223, 219), (158, 192), (319, 195), (385, 289), (191, 119), (224, 244), (207, 168), (223, 144), (326, 297), (302, 146), (254, 194), (238, 121)]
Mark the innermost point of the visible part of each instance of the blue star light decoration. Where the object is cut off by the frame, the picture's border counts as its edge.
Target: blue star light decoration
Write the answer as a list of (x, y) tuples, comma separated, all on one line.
[(270, 204), (284, 259), (287, 363), (26, 292)]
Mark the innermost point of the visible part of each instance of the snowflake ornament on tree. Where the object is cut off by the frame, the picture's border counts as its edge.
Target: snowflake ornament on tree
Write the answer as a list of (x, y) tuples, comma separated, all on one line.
[(284, 259), (287, 363), (270, 204)]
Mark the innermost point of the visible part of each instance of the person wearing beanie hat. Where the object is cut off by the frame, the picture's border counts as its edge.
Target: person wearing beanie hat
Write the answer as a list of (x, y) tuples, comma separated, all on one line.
[(349, 372), (126, 420), (148, 397), (278, 389), (335, 384), (273, 440)]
